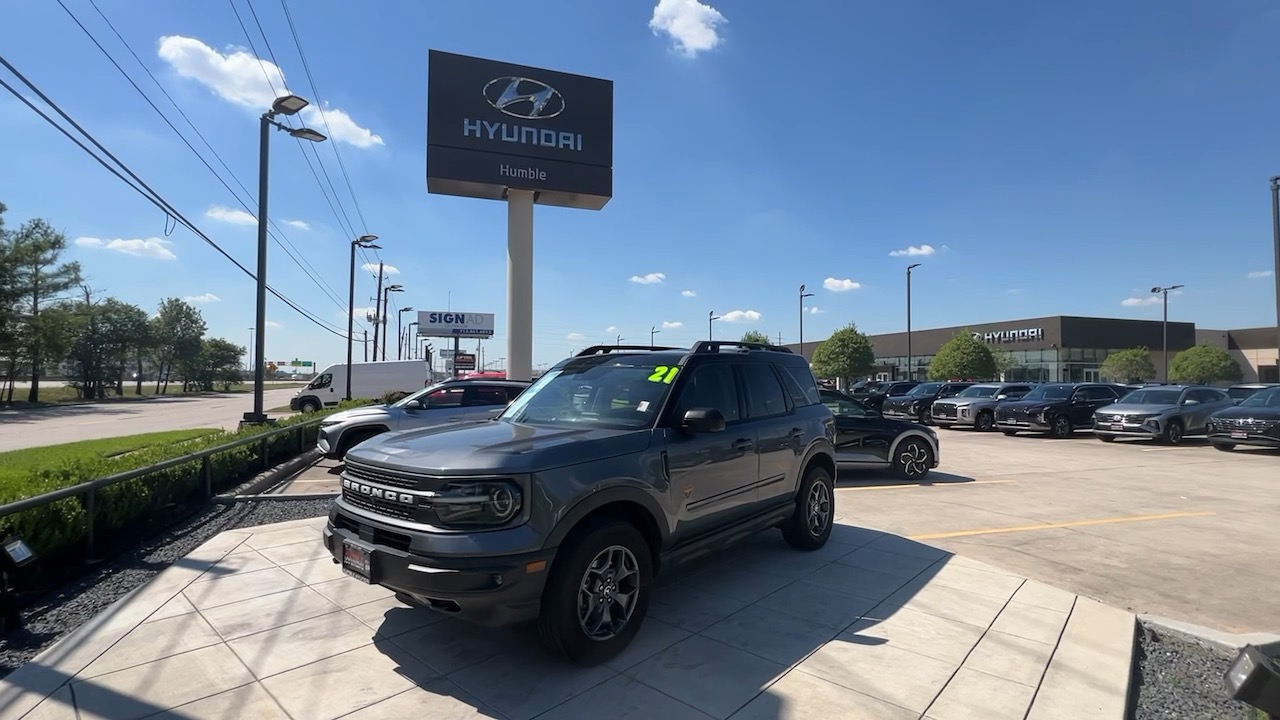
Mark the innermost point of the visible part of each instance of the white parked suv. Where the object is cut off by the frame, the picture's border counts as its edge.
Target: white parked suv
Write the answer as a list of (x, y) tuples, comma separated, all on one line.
[(450, 401)]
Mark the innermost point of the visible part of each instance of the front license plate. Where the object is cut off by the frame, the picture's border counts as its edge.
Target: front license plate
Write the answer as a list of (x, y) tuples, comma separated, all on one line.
[(1117, 426), (357, 560), (1241, 434)]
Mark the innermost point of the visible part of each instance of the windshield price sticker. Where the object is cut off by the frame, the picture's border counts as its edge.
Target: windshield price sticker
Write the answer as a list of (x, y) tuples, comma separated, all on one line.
[(664, 374)]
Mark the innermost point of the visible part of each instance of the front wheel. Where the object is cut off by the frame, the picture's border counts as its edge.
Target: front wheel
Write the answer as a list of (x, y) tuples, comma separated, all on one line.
[(1062, 427), (810, 525), (598, 593), (1224, 447), (1009, 433), (926, 416), (912, 459), (309, 406), (1172, 434), (985, 422), (1106, 438)]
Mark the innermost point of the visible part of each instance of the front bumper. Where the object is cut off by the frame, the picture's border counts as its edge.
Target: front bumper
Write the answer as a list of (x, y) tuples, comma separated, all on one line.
[(1147, 429), (898, 412), (293, 404), (327, 442), (1023, 424), (493, 591), (1239, 437)]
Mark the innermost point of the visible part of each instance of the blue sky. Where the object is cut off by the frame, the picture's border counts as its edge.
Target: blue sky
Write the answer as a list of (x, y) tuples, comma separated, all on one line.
[(1040, 158)]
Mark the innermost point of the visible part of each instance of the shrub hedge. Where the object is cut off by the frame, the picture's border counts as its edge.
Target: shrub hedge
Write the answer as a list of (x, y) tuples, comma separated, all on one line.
[(55, 528)]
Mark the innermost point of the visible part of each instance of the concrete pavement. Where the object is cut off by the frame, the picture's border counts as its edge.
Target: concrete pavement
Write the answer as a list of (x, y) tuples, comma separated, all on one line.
[(89, 421), (260, 623)]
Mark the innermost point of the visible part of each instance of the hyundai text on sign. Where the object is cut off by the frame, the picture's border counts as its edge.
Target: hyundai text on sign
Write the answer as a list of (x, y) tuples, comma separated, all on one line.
[(493, 125), (448, 323)]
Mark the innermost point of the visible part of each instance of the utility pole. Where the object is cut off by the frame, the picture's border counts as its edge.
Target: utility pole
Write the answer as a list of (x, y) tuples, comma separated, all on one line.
[(1275, 274), (366, 346), (911, 374), (377, 312), (653, 331), (619, 340)]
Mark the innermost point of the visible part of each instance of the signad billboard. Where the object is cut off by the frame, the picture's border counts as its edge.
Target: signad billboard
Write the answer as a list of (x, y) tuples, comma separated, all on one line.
[(493, 125), (448, 323)]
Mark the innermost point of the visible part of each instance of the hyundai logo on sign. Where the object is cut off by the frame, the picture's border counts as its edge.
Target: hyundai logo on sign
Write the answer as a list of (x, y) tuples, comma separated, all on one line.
[(524, 98)]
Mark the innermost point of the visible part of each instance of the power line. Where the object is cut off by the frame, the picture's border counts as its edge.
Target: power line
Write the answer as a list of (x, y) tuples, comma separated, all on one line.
[(142, 187)]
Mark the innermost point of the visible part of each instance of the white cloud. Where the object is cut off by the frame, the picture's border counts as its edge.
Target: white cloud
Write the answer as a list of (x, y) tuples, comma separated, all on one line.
[(154, 248), (575, 337), (690, 24), (839, 285), (1261, 274), (813, 310), (1141, 301), (230, 215), (386, 269), (688, 293), (300, 224), (273, 324), (611, 329), (915, 251), (649, 278), (239, 77), (205, 298), (671, 325), (735, 316)]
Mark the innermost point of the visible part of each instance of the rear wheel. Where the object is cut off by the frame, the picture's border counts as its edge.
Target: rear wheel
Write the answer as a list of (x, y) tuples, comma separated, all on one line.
[(1224, 447), (1172, 434), (598, 593), (985, 422), (1062, 427), (912, 459), (810, 526)]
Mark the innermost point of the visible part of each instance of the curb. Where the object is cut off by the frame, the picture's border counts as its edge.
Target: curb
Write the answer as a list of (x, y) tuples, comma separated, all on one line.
[(273, 476), (1268, 643)]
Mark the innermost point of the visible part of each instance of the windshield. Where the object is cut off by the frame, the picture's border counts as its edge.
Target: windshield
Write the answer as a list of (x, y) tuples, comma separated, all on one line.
[(1153, 397), (1263, 398), (600, 390), (1240, 393), (1048, 392), (924, 389), (978, 391)]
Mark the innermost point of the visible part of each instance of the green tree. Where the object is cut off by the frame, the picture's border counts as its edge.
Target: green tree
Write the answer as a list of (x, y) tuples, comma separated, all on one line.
[(177, 332), (755, 336), (105, 332), (39, 279), (845, 355), (8, 303), (1003, 360), (220, 364), (963, 356), (1204, 364), (1131, 366)]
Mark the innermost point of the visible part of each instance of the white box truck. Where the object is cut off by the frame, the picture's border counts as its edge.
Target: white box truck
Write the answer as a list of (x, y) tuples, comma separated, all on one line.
[(368, 380)]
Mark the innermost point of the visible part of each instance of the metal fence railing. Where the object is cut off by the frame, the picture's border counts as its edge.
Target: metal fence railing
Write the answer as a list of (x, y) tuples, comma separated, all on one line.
[(87, 491)]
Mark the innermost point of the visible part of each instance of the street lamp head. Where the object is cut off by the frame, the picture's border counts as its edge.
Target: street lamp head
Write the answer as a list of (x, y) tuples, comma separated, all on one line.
[(1177, 287), (288, 105), (394, 288), (913, 267), (366, 239), (406, 309), (307, 134), (1157, 290), (801, 289)]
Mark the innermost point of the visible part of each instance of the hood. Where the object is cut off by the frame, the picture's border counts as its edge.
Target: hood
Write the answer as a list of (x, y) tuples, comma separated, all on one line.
[(1027, 404), (959, 401), (497, 446), (901, 400), (361, 412), (1244, 413), (1123, 408)]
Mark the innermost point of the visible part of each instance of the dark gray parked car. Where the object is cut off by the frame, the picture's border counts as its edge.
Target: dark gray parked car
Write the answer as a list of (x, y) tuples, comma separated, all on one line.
[(1166, 413), (614, 464)]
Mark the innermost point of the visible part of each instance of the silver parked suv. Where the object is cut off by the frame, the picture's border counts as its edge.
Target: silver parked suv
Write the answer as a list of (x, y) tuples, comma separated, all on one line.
[(975, 406), (450, 401), (1161, 412)]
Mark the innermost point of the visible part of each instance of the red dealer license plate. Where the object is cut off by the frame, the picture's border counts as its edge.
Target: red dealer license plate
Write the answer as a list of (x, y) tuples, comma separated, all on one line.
[(357, 560)]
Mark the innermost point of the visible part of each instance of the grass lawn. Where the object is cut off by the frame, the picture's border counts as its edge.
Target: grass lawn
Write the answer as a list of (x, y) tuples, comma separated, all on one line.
[(17, 466), (52, 394)]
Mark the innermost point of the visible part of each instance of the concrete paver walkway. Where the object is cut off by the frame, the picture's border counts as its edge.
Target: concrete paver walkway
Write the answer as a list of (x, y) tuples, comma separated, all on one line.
[(260, 623)]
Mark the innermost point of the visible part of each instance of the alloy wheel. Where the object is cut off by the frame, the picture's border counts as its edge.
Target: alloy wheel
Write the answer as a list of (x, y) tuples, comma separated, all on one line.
[(819, 508), (608, 592), (914, 458), (984, 422), (1062, 426), (1175, 433)]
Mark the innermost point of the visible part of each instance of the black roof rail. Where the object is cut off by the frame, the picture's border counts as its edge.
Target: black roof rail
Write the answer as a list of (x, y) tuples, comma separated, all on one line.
[(605, 349), (711, 346)]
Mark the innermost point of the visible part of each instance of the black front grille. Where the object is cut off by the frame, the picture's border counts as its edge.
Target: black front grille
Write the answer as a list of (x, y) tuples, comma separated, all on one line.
[(948, 411), (381, 476), (369, 533), (378, 507)]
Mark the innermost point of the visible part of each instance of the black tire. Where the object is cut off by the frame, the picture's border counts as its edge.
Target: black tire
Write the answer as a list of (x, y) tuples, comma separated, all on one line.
[(815, 513), (309, 406), (559, 624), (1106, 438), (985, 422), (926, 416), (353, 438), (912, 459), (1173, 432), (1224, 447), (1062, 427), (1009, 433)]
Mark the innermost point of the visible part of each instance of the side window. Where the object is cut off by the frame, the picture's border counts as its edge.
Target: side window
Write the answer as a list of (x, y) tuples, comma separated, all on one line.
[(513, 393), (445, 397), (800, 386), (710, 386), (1098, 393), (1017, 391), (950, 391), (486, 395), (322, 382), (765, 397), (1204, 396)]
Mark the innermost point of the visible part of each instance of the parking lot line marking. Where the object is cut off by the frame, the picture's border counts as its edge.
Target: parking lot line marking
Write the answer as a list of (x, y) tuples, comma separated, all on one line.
[(901, 485), (1052, 526)]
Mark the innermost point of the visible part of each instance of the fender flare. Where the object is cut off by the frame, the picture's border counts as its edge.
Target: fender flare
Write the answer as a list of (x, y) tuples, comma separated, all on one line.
[(893, 449), (604, 496)]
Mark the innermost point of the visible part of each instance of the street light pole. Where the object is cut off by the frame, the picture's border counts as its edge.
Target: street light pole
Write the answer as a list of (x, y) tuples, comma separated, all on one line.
[(386, 303), (285, 105), (711, 317), (653, 331), (911, 374), (1275, 274), (411, 342), (803, 295), (400, 332), (366, 242), (1164, 327), (248, 362)]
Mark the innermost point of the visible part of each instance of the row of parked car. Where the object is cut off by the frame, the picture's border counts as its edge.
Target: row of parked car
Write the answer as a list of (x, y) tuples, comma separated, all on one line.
[(1246, 414)]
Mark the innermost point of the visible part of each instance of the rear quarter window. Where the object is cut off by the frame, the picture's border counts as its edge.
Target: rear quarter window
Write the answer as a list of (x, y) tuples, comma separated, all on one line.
[(800, 385)]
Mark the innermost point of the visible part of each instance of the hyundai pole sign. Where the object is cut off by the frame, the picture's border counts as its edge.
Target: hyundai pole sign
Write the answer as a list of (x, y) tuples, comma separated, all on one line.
[(435, 323), (493, 126)]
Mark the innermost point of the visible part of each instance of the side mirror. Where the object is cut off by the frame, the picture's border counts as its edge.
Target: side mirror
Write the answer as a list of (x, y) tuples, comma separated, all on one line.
[(413, 405), (702, 420), (1079, 400), (1002, 397)]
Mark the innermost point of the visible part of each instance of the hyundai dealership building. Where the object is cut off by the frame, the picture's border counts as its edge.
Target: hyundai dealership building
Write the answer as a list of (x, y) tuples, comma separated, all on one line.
[(1071, 349)]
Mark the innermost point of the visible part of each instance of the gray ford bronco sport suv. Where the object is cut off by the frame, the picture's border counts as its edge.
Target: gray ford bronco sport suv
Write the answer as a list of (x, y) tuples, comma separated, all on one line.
[(615, 463)]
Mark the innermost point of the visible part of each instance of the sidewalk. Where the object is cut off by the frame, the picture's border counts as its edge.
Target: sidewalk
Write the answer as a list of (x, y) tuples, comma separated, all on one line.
[(260, 623)]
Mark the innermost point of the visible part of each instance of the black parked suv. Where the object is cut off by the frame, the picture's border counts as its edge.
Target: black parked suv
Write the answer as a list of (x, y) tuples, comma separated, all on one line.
[(1056, 409), (865, 439), (614, 464), (1243, 391), (875, 399), (917, 404), (1255, 421)]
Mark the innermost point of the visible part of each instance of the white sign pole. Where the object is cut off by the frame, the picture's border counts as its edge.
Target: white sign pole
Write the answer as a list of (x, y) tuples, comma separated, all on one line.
[(519, 284)]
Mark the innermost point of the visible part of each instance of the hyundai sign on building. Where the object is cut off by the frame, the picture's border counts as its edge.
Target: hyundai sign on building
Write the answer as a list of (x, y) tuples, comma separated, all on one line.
[(492, 126)]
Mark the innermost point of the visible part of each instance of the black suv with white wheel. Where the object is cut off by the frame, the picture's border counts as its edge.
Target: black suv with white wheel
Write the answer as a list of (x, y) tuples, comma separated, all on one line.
[(614, 465)]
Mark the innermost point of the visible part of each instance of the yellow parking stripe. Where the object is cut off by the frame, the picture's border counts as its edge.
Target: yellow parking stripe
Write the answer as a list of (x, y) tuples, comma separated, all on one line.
[(901, 485), (1051, 526)]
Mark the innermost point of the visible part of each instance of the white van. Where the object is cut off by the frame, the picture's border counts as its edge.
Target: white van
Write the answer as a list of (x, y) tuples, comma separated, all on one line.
[(370, 380)]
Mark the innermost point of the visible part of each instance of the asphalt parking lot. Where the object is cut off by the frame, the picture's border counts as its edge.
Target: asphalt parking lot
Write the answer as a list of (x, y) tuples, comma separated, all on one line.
[(1184, 532)]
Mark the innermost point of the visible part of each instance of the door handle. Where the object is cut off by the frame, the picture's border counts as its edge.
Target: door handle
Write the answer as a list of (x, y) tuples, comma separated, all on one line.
[(743, 445)]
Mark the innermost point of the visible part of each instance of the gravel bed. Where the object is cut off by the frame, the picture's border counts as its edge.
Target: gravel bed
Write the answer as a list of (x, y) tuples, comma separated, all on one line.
[(1181, 677), (57, 613)]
